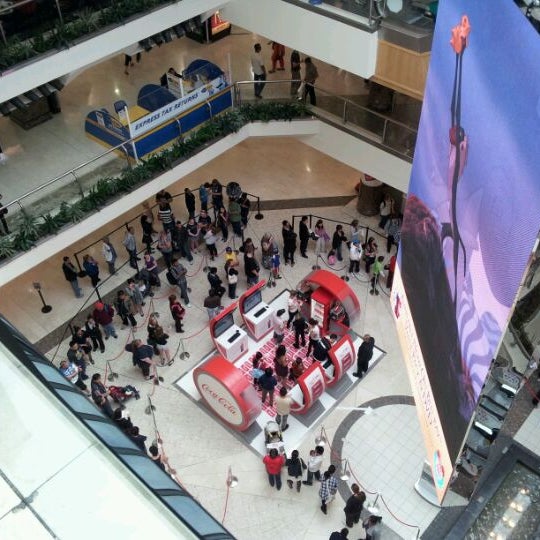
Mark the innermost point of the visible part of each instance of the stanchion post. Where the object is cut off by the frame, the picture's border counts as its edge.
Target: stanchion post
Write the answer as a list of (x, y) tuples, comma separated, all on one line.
[(258, 215)]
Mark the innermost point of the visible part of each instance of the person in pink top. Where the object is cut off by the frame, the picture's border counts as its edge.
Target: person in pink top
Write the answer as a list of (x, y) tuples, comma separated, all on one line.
[(274, 463)]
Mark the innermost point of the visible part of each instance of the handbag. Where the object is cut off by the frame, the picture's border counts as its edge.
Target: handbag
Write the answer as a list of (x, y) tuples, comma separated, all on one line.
[(170, 278)]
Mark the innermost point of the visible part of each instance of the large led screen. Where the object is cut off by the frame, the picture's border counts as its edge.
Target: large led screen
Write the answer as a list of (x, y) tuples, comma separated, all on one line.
[(472, 212)]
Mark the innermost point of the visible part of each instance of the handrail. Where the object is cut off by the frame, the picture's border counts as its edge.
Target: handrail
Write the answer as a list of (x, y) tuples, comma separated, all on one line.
[(344, 99), (67, 173)]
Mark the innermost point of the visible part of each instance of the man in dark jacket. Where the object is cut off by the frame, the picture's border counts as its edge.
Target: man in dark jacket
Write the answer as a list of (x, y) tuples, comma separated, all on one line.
[(365, 353), (70, 273), (181, 241), (103, 314), (303, 233)]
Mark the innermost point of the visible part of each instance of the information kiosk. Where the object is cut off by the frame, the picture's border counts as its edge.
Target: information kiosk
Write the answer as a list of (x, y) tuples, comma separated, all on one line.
[(227, 393), (341, 358), (257, 315), (230, 340), (310, 386)]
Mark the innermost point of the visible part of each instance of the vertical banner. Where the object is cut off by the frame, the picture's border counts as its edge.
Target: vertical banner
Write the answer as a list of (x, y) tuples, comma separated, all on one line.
[(472, 213)]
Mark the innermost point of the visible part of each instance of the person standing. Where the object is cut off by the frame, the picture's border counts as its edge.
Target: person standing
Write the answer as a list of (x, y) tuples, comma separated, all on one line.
[(235, 216), (354, 505), (251, 268), (100, 395), (314, 465), (340, 535), (222, 222), (103, 314), (3, 212), (165, 246), (124, 308), (215, 281), (295, 468), (289, 242), (177, 313), (190, 202), (109, 254), (281, 364), (274, 463), (259, 70), (135, 294), (337, 241), (179, 273), (303, 233), (94, 333), (370, 253), (296, 74), (300, 327), (91, 268), (71, 372), (293, 305), (373, 527), (142, 357), (232, 279), (268, 383), (181, 241), (310, 76), (210, 239), (70, 273), (355, 255), (165, 215), (245, 207), (364, 355), (393, 231), (216, 189), (212, 303), (283, 409), (386, 208), (204, 189), (130, 244), (314, 335), (377, 272)]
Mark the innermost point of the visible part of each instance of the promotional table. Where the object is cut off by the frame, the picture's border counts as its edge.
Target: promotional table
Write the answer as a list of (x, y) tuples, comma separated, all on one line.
[(257, 315), (230, 340)]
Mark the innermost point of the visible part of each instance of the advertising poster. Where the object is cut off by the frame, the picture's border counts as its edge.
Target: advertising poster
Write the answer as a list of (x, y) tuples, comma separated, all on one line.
[(472, 213)]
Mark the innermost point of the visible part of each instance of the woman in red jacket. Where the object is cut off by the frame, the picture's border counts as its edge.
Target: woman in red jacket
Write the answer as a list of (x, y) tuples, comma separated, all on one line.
[(274, 463)]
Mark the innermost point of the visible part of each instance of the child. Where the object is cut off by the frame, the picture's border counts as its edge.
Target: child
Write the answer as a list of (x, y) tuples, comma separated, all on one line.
[(332, 257), (377, 271), (275, 261), (210, 240), (279, 326), (296, 370), (256, 372)]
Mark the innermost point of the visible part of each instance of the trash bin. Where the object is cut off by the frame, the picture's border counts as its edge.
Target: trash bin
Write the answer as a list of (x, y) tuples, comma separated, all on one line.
[(370, 196)]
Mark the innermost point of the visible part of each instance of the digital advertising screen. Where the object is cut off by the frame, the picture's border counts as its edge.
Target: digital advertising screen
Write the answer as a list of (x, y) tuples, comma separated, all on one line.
[(472, 213)]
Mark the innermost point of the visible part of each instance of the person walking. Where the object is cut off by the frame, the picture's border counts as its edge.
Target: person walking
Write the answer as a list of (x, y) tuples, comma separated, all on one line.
[(304, 234), (160, 339), (314, 465), (179, 273), (376, 273), (354, 505), (295, 469), (130, 244), (274, 463), (70, 273), (373, 527), (259, 70), (364, 355), (296, 74), (310, 76), (300, 326), (328, 488), (91, 268), (109, 254), (283, 409)]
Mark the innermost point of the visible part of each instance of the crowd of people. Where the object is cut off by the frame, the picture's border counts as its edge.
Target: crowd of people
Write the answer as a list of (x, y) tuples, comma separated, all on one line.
[(177, 241)]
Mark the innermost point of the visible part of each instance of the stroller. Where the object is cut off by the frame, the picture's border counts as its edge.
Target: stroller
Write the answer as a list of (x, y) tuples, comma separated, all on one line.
[(273, 437), (268, 244), (119, 394)]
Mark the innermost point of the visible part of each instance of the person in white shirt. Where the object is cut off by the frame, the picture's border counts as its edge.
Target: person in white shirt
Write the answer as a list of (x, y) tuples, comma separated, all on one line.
[(355, 255), (279, 326), (283, 408), (293, 305), (109, 254), (259, 70), (314, 335), (314, 465)]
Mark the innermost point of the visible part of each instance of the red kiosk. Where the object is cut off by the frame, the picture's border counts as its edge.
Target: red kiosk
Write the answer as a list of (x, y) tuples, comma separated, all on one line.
[(230, 340), (329, 300), (342, 357), (257, 315), (227, 392)]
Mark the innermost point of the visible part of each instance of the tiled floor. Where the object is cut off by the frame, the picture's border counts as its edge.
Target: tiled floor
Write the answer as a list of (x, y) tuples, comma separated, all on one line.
[(201, 449)]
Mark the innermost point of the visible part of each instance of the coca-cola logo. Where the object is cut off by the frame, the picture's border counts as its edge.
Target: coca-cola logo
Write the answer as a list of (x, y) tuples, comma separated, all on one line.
[(222, 401)]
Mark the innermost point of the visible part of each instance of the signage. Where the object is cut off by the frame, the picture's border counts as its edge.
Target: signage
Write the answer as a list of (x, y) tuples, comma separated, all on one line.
[(219, 399)]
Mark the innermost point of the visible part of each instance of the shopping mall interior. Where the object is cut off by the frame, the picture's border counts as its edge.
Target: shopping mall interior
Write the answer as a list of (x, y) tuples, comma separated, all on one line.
[(61, 449)]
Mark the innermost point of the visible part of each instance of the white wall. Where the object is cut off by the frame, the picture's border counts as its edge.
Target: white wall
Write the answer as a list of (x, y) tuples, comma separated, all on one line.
[(361, 155), (332, 42), (331, 141), (55, 65)]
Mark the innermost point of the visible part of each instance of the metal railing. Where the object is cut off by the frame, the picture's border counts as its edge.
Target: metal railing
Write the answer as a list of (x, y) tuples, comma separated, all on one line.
[(395, 136)]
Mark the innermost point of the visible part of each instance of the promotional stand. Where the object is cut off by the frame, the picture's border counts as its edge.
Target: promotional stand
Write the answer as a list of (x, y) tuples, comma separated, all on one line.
[(341, 359), (257, 315), (322, 291), (311, 384), (227, 393), (230, 340)]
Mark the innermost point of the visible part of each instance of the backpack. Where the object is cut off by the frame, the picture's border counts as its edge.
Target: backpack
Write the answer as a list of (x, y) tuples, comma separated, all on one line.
[(170, 278)]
